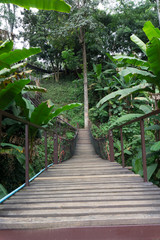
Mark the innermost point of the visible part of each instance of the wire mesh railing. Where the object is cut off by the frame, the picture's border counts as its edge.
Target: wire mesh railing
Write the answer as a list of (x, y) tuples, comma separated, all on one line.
[(101, 146), (66, 147)]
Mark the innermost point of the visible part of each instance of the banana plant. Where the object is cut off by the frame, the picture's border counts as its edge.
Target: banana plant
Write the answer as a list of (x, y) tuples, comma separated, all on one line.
[(10, 87), (143, 70)]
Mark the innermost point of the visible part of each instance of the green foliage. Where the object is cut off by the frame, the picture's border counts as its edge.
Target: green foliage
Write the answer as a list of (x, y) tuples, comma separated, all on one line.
[(33, 88), (6, 47), (11, 57), (125, 118), (153, 53), (150, 170), (153, 127), (17, 151), (38, 159), (123, 93), (26, 106), (146, 109), (72, 62), (68, 92), (137, 165), (18, 148), (65, 108), (5, 72), (139, 42), (41, 114), (155, 147), (11, 91), (70, 135), (3, 191), (131, 60), (98, 115), (57, 5), (151, 31), (134, 71)]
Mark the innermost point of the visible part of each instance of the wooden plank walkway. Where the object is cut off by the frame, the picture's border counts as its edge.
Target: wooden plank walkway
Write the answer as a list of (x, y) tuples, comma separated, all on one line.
[(84, 191)]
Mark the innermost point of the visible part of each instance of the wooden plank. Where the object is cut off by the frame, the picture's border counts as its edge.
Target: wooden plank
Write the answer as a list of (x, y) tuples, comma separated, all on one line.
[(119, 176), (89, 192), (75, 205), (79, 211), (68, 222), (84, 191), (113, 199)]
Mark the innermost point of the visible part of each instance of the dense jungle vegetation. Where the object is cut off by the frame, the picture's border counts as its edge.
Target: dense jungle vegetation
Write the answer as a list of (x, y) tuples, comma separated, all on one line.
[(107, 58)]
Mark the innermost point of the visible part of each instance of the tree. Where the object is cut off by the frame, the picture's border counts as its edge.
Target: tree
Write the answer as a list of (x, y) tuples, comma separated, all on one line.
[(8, 13), (82, 20), (158, 11), (46, 29)]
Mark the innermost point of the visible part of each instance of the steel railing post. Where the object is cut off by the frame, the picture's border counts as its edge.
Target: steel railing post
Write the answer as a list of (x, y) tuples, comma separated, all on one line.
[(111, 147), (27, 154), (122, 150), (45, 135), (55, 149), (143, 150)]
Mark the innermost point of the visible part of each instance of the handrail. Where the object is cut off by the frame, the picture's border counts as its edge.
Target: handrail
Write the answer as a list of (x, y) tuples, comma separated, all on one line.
[(111, 147), (27, 124), (139, 118), (67, 123), (6, 114)]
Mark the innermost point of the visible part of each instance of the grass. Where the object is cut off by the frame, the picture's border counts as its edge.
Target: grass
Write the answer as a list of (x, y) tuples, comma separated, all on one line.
[(62, 93)]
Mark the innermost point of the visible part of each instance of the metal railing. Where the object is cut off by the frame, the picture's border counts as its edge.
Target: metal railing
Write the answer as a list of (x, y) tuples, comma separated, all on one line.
[(27, 125), (63, 145), (111, 146), (100, 146)]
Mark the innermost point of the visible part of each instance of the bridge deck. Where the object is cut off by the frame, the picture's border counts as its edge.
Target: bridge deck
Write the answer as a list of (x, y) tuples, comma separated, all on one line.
[(84, 191)]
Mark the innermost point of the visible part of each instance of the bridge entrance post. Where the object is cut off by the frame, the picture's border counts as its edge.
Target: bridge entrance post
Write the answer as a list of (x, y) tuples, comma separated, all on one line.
[(45, 135), (143, 150), (122, 150), (111, 147), (55, 149), (27, 154)]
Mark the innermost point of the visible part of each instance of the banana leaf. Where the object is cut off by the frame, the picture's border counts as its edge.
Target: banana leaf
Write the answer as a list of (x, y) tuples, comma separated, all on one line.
[(17, 55), (153, 53), (155, 147), (34, 88), (6, 47), (151, 31), (131, 60), (26, 106), (125, 118), (64, 108), (139, 42), (42, 113), (57, 5), (11, 91), (123, 93), (6, 71)]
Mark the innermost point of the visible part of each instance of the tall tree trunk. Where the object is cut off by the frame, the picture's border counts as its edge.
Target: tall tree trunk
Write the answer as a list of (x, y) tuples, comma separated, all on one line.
[(158, 12), (86, 115)]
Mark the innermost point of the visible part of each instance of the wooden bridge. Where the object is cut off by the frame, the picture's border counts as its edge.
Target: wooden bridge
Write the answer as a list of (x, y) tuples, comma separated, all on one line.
[(84, 198)]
